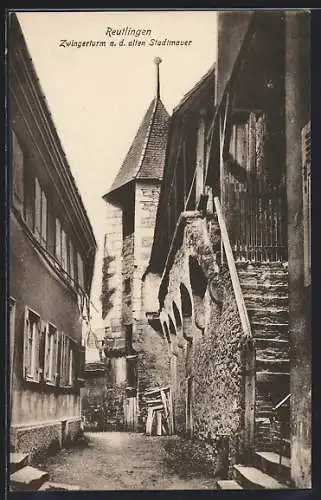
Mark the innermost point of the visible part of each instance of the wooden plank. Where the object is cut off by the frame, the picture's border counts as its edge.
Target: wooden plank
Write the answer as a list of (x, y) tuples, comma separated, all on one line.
[(170, 416), (152, 401), (164, 402), (149, 421), (156, 389), (249, 389), (233, 272), (156, 407), (158, 423)]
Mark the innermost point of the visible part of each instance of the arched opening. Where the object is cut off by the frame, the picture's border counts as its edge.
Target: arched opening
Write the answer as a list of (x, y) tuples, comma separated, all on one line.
[(197, 278), (172, 329), (166, 332), (198, 284), (188, 329), (186, 302), (177, 316)]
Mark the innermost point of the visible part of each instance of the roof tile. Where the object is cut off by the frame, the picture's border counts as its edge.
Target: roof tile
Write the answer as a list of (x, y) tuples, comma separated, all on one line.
[(146, 156)]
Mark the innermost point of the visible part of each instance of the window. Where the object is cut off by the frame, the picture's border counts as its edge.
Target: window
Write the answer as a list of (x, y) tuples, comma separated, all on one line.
[(67, 364), (40, 213), (61, 245), (127, 285), (306, 180), (129, 338), (71, 262), (58, 240), (51, 355), (29, 196), (32, 337), (115, 325), (80, 269), (17, 172), (131, 372)]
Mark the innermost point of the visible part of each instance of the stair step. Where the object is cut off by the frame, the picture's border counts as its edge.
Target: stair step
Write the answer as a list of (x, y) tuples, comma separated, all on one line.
[(28, 478), (267, 329), (253, 478), (269, 289), (252, 301), (264, 276), (269, 462), (268, 315), (228, 484), (270, 354), (272, 364), (17, 461), (271, 376), (48, 486), (275, 343)]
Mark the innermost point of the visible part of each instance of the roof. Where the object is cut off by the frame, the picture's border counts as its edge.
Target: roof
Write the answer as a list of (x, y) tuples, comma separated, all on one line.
[(200, 96), (197, 87), (146, 156)]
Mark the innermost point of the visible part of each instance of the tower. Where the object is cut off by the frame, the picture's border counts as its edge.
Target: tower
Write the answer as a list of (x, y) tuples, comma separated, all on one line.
[(132, 203)]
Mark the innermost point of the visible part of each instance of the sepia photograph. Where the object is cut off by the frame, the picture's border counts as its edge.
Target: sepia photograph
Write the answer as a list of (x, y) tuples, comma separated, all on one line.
[(159, 267)]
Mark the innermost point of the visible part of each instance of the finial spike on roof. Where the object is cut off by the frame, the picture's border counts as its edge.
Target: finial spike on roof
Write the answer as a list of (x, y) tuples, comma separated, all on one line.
[(157, 61)]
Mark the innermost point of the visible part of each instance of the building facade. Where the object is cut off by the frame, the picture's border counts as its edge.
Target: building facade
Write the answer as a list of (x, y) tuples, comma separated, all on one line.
[(52, 252), (228, 280)]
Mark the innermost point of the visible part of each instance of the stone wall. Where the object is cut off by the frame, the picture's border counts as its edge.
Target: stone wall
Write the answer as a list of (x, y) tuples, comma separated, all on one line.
[(114, 248), (218, 404), (153, 364), (146, 202), (127, 279), (44, 437), (102, 393), (207, 337)]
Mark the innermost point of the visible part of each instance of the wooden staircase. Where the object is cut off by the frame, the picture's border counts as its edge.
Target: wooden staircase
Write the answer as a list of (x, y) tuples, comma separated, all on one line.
[(265, 292)]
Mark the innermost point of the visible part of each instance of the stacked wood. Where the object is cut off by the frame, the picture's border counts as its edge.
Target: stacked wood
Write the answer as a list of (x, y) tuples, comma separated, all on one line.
[(159, 411)]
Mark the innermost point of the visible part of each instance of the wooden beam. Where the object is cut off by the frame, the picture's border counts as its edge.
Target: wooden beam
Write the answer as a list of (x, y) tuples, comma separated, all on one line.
[(233, 271)]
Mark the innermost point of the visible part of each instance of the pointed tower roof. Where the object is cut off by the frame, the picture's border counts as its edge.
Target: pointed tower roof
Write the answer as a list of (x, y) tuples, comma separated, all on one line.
[(146, 156)]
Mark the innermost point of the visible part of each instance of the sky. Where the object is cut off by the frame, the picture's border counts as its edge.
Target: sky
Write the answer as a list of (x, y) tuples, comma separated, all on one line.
[(98, 94)]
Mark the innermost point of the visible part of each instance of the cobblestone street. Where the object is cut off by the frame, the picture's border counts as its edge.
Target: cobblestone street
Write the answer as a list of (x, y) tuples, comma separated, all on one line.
[(121, 461)]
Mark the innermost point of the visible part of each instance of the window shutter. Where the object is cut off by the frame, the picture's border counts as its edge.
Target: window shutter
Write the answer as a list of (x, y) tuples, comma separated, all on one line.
[(42, 347), (17, 172), (26, 351), (306, 182), (64, 249), (80, 267), (58, 240), (58, 358), (47, 354), (37, 209), (43, 218), (71, 261), (71, 374), (37, 333), (62, 360)]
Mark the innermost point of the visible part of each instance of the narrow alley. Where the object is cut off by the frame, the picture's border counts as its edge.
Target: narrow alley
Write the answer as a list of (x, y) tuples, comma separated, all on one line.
[(121, 461)]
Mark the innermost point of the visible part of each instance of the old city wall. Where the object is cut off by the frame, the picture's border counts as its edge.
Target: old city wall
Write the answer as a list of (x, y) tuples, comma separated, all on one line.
[(207, 345)]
